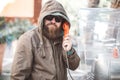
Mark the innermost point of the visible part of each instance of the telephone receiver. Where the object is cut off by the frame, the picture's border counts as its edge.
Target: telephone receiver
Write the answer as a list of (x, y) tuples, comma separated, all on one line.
[(66, 28)]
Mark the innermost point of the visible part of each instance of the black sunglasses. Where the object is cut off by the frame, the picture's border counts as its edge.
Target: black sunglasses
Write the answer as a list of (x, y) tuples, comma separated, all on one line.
[(57, 18)]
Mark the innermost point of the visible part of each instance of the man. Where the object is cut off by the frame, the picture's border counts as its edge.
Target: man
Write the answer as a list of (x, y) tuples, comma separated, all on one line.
[(41, 53)]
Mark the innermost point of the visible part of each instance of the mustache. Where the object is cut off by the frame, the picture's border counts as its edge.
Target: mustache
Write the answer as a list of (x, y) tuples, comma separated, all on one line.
[(51, 24)]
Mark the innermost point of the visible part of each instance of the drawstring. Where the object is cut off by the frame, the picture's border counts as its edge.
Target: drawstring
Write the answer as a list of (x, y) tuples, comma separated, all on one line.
[(41, 46)]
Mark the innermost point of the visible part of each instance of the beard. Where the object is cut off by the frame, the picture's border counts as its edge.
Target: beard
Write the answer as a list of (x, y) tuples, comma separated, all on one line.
[(51, 31)]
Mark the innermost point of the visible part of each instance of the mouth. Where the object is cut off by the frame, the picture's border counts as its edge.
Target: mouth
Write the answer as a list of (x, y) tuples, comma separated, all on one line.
[(51, 26)]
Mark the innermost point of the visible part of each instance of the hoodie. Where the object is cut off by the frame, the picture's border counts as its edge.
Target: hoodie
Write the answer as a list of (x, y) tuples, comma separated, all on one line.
[(36, 58)]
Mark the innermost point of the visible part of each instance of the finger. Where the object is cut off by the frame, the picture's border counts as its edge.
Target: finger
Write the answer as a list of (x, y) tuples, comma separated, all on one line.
[(65, 44), (66, 35), (66, 41), (67, 38)]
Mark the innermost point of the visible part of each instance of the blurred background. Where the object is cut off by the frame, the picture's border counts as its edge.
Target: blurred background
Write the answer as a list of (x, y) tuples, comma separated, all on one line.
[(95, 31)]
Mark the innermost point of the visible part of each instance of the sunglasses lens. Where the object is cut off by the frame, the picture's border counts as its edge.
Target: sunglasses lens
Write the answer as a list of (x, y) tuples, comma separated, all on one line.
[(50, 17), (58, 19)]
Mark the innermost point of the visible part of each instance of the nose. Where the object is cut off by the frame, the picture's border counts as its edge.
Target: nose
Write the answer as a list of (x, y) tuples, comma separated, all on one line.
[(53, 20)]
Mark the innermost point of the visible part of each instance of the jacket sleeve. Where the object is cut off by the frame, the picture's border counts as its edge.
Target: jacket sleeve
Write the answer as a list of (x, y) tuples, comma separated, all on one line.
[(22, 62), (73, 59)]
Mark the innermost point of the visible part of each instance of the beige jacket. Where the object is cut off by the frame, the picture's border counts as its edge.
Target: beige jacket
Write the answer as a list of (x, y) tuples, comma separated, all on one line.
[(37, 58)]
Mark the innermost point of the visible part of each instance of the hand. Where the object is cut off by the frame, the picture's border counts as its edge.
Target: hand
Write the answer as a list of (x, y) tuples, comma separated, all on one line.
[(67, 43)]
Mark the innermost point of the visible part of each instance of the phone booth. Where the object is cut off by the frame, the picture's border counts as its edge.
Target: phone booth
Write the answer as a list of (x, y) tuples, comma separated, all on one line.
[(99, 30)]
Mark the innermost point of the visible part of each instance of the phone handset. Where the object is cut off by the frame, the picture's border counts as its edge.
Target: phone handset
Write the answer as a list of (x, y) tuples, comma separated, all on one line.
[(66, 29)]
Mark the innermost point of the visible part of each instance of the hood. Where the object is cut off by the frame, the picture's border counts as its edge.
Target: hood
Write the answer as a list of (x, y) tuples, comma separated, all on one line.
[(52, 7)]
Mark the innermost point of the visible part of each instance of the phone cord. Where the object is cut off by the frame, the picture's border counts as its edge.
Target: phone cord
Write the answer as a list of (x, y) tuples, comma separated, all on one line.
[(68, 67)]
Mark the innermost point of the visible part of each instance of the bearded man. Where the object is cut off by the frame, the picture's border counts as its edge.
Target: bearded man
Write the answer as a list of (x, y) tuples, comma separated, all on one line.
[(41, 52)]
